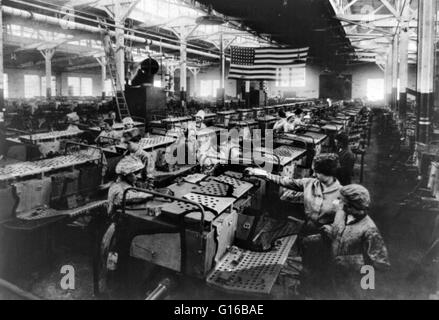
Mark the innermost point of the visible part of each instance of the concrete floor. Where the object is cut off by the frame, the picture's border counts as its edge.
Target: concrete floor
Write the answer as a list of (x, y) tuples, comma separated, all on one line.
[(406, 233)]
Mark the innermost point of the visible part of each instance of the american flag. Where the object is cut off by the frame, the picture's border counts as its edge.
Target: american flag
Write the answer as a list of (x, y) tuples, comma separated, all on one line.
[(264, 63)]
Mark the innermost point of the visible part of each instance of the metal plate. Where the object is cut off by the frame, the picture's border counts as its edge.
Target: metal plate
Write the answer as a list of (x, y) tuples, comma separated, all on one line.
[(178, 208), (53, 135), (216, 204), (27, 168), (194, 178), (157, 141), (212, 188), (240, 187), (289, 152), (243, 271), (263, 155)]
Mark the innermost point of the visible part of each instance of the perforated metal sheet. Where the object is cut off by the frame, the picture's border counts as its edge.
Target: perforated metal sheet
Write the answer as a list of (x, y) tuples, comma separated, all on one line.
[(243, 271), (194, 178), (289, 152), (178, 208), (53, 135), (266, 155), (233, 174), (240, 187), (308, 137), (212, 188), (217, 204), (157, 141), (41, 166)]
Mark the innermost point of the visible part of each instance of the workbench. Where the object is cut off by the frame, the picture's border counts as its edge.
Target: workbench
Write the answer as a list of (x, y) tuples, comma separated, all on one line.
[(49, 136), (333, 128), (313, 138), (41, 167), (151, 142), (281, 156), (119, 126)]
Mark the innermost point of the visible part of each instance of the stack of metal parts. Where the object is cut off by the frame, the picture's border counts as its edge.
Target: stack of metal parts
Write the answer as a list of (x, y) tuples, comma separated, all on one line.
[(29, 168), (249, 272)]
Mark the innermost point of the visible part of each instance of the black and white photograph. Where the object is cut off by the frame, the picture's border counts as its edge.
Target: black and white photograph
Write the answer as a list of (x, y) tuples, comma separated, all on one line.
[(226, 157)]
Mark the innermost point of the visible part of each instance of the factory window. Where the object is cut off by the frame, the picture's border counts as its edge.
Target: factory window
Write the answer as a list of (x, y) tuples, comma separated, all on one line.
[(5, 86), (16, 29), (86, 86), (29, 33), (80, 86), (74, 85), (208, 88), (291, 77), (375, 89), (52, 85), (32, 86)]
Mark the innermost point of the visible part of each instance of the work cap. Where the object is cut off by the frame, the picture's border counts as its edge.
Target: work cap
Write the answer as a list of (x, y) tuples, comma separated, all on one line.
[(129, 164), (127, 120), (73, 116), (200, 114), (356, 195)]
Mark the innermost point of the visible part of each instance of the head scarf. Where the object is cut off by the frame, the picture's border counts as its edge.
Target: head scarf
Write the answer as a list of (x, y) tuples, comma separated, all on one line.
[(129, 164), (356, 195)]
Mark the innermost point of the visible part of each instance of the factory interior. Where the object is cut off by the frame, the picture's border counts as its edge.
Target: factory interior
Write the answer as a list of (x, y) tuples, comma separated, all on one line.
[(219, 150)]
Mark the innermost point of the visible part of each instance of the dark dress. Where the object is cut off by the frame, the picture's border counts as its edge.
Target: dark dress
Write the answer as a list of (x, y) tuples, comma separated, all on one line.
[(346, 170)]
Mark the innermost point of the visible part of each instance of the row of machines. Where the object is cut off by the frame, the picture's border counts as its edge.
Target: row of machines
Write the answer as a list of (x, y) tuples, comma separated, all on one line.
[(194, 219)]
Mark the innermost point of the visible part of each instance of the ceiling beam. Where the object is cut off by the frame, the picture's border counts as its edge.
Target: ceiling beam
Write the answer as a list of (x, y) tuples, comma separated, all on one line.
[(390, 8)]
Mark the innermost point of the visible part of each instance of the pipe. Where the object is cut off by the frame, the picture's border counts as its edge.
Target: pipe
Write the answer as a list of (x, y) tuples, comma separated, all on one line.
[(162, 288), (63, 23), (17, 291), (67, 24)]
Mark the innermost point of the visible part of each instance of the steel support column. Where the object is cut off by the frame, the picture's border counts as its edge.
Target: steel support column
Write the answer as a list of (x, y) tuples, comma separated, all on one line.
[(195, 71), (2, 102), (425, 80), (103, 63), (403, 70), (395, 74), (388, 79), (48, 54), (183, 71), (222, 49), (119, 19)]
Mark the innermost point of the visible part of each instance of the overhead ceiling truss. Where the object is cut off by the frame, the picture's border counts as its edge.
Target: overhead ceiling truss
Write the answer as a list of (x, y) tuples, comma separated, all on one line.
[(371, 28)]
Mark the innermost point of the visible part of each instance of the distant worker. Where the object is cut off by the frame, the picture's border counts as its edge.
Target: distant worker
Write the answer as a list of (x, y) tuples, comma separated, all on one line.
[(108, 135), (199, 120), (73, 121), (346, 158), (279, 126), (108, 46), (295, 121), (128, 126)]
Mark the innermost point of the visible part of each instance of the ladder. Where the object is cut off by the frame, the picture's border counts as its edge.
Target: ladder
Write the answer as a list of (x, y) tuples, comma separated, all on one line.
[(121, 102)]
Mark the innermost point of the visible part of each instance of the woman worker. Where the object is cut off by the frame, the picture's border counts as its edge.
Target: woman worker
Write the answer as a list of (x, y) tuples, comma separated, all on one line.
[(128, 171), (319, 191), (355, 241), (279, 126)]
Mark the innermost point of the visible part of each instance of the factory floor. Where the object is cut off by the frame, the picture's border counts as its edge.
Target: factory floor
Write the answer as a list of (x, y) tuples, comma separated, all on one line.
[(406, 233)]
